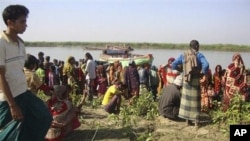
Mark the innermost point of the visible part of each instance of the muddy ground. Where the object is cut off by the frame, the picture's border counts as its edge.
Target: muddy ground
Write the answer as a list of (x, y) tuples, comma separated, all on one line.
[(97, 126)]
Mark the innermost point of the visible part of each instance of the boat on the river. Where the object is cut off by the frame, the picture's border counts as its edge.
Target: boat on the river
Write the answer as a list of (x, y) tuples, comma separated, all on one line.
[(124, 55)]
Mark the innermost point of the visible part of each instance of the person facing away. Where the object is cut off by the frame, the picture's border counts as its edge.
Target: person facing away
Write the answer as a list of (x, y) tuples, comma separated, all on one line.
[(153, 81), (40, 57), (132, 80), (41, 72), (112, 98), (23, 116), (195, 66), (169, 102)]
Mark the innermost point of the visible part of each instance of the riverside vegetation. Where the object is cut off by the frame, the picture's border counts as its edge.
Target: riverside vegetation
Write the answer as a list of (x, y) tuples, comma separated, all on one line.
[(141, 122), (219, 47)]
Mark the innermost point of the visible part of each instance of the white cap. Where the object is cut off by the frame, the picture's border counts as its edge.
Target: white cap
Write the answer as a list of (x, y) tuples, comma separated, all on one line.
[(178, 80)]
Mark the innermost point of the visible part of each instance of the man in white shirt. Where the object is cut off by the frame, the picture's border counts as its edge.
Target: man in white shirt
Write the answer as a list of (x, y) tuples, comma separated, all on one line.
[(90, 71)]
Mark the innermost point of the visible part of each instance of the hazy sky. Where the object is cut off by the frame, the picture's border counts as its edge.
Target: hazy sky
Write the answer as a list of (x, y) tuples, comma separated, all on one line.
[(159, 21)]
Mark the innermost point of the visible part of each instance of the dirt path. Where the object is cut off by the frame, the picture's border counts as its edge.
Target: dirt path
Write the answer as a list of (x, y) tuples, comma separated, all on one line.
[(96, 126)]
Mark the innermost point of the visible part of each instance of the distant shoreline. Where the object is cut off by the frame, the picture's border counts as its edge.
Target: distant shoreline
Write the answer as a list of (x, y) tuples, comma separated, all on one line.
[(102, 45)]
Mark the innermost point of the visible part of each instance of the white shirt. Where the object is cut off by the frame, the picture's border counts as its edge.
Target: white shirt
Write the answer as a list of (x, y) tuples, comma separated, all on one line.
[(91, 69), (12, 57)]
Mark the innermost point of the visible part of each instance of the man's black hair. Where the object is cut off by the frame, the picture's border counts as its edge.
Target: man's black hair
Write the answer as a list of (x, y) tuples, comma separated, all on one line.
[(13, 12)]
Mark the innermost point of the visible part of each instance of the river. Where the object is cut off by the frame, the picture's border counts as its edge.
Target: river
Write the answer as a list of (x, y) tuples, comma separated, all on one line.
[(160, 55)]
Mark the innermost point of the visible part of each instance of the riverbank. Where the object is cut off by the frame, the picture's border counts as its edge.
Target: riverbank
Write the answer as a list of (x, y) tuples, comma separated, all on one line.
[(101, 45), (97, 125)]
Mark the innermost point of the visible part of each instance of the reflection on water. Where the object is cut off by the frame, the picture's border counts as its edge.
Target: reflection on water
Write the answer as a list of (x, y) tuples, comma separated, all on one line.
[(160, 55)]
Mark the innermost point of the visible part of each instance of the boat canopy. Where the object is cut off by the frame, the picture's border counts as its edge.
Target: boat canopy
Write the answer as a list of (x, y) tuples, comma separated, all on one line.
[(115, 51)]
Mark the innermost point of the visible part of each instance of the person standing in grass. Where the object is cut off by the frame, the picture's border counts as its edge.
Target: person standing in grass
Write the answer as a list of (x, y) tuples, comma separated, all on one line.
[(23, 116), (218, 81), (235, 81), (90, 71), (195, 66), (132, 81), (153, 81)]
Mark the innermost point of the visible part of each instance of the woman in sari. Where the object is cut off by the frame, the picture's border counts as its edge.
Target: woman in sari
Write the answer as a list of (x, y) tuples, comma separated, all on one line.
[(69, 74), (217, 79), (235, 80), (64, 114)]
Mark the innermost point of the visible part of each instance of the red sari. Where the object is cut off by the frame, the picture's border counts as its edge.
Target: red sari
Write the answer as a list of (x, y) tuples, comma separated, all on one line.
[(235, 81), (64, 115)]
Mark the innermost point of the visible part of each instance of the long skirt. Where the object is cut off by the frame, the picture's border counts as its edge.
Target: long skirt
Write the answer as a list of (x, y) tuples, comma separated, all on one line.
[(190, 107), (34, 125)]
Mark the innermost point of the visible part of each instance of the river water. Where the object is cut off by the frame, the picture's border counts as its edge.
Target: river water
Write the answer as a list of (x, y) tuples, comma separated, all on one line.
[(160, 55)]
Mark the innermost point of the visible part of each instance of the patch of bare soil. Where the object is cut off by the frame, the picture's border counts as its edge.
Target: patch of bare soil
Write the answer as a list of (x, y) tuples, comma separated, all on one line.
[(96, 126)]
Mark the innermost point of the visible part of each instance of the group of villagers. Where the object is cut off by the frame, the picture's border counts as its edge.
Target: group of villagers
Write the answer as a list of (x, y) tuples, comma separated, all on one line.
[(113, 81), (60, 116), (202, 88)]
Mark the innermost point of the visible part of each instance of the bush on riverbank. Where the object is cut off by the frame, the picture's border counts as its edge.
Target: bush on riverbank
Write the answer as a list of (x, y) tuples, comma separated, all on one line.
[(145, 110), (219, 47)]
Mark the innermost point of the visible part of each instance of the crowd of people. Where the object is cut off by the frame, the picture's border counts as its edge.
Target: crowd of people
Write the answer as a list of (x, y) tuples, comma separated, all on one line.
[(183, 87)]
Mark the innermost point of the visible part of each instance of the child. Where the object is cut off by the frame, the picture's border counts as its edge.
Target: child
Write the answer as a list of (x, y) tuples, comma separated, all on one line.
[(102, 82), (33, 81), (64, 114), (53, 77), (211, 94), (154, 81)]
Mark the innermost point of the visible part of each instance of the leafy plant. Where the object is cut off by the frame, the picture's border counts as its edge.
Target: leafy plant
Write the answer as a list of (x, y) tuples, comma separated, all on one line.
[(237, 113)]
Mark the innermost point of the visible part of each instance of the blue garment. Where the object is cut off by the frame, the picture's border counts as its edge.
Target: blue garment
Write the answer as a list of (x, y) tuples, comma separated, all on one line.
[(34, 126), (190, 106), (201, 60)]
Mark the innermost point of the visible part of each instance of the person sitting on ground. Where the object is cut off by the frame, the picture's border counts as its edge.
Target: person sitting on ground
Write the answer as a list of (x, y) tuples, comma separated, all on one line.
[(64, 114), (112, 98), (169, 102)]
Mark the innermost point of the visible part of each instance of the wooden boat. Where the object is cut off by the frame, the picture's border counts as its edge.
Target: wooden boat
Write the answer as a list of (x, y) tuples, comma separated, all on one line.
[(124, 56)]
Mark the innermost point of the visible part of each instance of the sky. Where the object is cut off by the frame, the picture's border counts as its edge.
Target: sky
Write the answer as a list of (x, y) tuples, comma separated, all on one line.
[(151, 21)]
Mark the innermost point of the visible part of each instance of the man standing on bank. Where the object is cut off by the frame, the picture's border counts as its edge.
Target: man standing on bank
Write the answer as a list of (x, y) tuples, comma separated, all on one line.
[(23, 116), (195, 66)]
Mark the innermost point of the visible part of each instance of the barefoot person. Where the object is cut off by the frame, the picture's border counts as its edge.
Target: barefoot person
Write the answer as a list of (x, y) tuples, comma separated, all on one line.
[(195, 66), (112, 98), (23, 116)]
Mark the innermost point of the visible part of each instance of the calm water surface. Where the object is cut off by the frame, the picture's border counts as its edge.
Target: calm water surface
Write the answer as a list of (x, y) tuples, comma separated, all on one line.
[(160, 55)]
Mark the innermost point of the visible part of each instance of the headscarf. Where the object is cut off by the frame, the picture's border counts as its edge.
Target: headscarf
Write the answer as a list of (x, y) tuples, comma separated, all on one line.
[(237, 57), (68, 67), (171, 60)]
